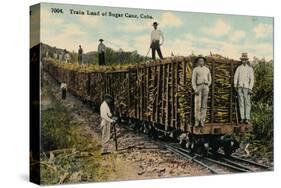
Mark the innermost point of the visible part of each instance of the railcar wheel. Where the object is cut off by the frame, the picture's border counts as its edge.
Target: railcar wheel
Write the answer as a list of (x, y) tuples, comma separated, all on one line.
[(201, 148), (230, 144), (154, 134), (227, 151), (214, 149)]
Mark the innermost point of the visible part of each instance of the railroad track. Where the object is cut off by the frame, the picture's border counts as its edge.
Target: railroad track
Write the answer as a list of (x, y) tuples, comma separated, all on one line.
[(247, 164), (216, 164), (192, 158), (219, 164)]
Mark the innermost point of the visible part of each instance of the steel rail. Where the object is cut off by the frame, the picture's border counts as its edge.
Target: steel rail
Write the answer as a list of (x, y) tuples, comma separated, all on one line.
[(191, 158), (237, 164), (246, 161)]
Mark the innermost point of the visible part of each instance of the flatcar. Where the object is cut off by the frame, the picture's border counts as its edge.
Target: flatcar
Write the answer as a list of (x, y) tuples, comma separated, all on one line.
[(157, 98)]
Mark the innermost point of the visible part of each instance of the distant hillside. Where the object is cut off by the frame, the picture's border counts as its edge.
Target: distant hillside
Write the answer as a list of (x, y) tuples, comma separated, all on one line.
[(112, 56)]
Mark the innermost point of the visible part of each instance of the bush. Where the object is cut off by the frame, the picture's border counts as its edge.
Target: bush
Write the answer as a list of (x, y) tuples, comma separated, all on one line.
[(262, 109)]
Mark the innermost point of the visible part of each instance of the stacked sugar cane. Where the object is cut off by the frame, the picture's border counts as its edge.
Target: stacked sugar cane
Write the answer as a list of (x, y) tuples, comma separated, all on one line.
[(121, 95), (222, 91), (158, 91), (185, 94)]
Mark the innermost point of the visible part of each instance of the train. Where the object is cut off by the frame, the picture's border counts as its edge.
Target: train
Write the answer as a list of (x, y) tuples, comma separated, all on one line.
[(156, 98)]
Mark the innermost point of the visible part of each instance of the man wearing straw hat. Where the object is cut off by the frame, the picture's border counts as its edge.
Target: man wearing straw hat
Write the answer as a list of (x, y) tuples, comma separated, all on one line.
[(201, 81), (155, 43), (101, 52), (243, 84)]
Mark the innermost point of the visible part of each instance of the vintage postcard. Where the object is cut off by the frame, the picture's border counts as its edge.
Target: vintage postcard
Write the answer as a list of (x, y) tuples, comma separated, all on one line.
[(127, 94)]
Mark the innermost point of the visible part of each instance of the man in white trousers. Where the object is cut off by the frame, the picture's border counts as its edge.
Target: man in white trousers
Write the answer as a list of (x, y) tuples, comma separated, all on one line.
[(106, 122), (243, 84), (201, 81)]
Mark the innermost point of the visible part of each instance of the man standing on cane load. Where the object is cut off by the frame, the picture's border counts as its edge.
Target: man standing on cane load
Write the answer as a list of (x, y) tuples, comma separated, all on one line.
[(155, 43), (201, 81), (243, 84), (106, 122), (101, 52), (80, 54)]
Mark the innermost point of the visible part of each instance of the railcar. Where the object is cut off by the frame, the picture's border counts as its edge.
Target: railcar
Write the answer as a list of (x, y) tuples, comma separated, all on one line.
[(157, 98)]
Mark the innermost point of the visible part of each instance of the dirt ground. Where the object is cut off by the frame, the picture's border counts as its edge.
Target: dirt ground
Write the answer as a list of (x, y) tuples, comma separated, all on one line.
[(138, 157)]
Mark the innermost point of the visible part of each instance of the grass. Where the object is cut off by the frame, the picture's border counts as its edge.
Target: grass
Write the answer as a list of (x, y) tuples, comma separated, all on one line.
[(68, 153)]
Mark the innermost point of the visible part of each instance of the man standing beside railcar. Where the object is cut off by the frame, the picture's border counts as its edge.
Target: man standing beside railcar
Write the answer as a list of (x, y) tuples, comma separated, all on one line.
[(243, 84), (106, 122), (155, 43), (63, 88), (201, 81)]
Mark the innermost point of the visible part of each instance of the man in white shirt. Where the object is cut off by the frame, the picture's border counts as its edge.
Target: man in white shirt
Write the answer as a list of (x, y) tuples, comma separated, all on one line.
[(106, 122), (66, 57), (47, 54), (55, 55), (201, 81), (243, 84), (101, 52), (155, 43)]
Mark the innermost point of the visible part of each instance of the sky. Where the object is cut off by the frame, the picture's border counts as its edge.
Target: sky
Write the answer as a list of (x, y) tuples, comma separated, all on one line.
[(184, 32)]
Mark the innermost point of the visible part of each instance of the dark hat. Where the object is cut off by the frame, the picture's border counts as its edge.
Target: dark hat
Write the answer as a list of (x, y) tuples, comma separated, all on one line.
[(101, 40), (155, 23), (107, 96), (200, 57), (244, 56)]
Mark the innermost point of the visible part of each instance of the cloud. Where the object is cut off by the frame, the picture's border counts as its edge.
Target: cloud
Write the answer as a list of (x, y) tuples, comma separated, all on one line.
[(168, 19), (220, 28), (141, 43), (69, 36), (117, 43), (71, 30), (89, 21), (224, 48), (237, 36), (263, 30), (234, 50), (129, 26), (70, 43), (179, 47), (261, 50), (68, 31)]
